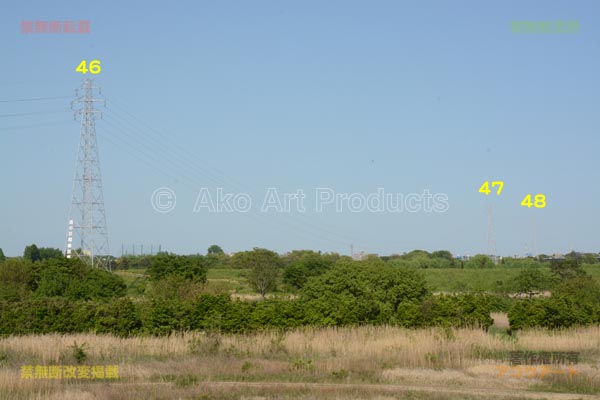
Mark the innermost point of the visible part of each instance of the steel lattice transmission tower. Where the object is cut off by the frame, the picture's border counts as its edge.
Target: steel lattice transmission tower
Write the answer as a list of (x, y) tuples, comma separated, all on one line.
[(87, 236), (491, 244)]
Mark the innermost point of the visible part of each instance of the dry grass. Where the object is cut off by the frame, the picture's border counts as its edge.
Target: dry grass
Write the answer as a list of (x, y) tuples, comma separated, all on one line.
[(500, 320), (428, 358)]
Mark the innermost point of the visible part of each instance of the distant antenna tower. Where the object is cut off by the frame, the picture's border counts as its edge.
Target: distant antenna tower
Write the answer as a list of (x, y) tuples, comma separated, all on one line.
[(491, 244), (87, 236), (533, 235)]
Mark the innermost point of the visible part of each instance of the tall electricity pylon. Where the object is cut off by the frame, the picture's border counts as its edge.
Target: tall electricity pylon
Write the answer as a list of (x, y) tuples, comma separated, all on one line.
[(87, 236), (533, 235), (491, 244)]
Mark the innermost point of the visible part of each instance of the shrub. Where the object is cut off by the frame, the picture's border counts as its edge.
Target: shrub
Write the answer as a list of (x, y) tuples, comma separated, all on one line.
[(78, 352), (480, 261), (119, 317), (189, 267), (356, 293)]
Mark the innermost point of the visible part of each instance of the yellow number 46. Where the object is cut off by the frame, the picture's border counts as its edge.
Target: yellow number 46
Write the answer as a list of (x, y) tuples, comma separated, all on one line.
[(485, 188), (539, 201), (94, 67)]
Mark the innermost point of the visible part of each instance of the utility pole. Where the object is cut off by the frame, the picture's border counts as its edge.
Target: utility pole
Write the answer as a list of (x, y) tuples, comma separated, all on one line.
[(87, 236)]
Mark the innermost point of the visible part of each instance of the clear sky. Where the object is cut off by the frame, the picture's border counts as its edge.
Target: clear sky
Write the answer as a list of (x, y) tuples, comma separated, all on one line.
[(350, 95)]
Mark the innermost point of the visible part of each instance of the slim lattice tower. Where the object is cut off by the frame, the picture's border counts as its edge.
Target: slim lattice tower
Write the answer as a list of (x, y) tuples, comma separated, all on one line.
[(87, 236), (533, 235), (491, 244)]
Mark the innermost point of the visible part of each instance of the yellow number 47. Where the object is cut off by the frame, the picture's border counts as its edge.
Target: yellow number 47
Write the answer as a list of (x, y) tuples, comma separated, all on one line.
[(485, 188), (94, 67), (539, 201)]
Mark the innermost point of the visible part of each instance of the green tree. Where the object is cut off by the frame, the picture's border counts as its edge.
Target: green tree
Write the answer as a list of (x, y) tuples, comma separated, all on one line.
[(305, 266), (2, 257), (122, 263), (584, 289), (59, 277), (527, 313), (215, 249), (420, 260), (442, 259), (415, 254), (189, 267), (264, 268), (568, 268), (529, 262), (47, 253), (471, 310), (119, 317), (99, 284), (574, 301), (590, 258), (442, 254), (480, 261), (361, 292), (529, 281), (75, 280), (216, 257), (145, 262), (15, 279), (32, 253)]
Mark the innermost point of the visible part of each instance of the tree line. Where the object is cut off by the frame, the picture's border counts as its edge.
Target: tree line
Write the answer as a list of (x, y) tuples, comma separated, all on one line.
[(44, 292)]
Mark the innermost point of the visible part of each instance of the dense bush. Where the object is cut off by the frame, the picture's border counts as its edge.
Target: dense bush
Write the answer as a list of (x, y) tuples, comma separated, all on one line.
[(16, 280), (467, 310), (304, 266), (531, 280), (264, 266), (479, 261), (72, 279), (423, 259), (47, 293), (189, 267), (120, 317), (53, 277), (61, 315), (360, 292), (575, 301)]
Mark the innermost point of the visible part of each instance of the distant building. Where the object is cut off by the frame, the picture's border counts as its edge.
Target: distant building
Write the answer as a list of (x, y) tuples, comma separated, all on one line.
[(362, 256)]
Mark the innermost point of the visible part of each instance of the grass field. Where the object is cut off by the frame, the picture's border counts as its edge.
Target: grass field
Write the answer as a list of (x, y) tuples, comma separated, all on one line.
[(230, 280), (488, 280), (330, 363)]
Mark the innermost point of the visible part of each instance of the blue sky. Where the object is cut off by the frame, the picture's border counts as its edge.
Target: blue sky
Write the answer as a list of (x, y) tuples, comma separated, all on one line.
[(355, 96)]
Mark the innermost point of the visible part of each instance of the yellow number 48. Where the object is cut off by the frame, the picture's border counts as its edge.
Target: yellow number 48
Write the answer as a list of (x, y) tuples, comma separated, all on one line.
[(94, 67), (539, 201), (485, 188)]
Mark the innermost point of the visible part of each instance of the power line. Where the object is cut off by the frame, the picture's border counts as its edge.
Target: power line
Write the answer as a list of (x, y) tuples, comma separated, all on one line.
[(33, 113), (36, 99), (10, 128), (180, 151), (258, 217), (190, 183), (183, 156), (194, 184)]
